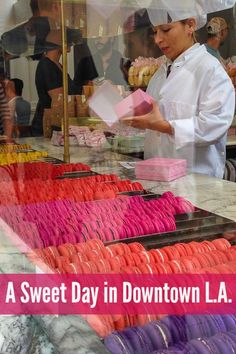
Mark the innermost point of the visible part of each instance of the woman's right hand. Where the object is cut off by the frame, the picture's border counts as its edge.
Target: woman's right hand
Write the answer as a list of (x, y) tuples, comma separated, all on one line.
[(153, 121)]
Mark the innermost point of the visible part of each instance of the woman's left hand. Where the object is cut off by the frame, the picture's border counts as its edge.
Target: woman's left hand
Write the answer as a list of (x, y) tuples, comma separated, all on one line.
[(153, 121)]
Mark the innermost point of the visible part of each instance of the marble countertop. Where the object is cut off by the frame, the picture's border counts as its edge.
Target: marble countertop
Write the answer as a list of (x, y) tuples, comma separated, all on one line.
[(212, 194), (71, 334), (46, 334)]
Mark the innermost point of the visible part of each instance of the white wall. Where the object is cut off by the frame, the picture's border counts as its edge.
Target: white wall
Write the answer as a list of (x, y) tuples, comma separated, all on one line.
[(7, 19), (22, 10), (12, 13), (23, 68)]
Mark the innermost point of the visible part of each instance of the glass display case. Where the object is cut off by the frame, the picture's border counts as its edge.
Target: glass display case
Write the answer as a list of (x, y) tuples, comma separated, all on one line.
[(71, 200)]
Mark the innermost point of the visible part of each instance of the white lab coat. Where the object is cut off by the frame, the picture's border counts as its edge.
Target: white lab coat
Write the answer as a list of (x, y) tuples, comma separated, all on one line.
[(198, 100)]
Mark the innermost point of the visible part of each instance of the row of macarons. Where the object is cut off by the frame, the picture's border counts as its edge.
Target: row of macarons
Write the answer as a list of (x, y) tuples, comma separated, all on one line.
[(14, 147), (94, 257), (190, 334), (40, 170), (19, 157), (82, 189), (53, 223), (220, 343), (88, 254)]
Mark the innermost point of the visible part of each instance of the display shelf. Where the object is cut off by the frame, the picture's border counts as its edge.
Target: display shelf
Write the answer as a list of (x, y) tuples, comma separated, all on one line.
[(142, 193), (197, 226), (77, 174), (50, 159)]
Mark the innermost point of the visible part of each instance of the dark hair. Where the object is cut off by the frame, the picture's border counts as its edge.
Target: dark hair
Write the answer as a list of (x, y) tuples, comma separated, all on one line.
[(141, 19), (18, 83), (34, 6), (37, 5), (137, 21)]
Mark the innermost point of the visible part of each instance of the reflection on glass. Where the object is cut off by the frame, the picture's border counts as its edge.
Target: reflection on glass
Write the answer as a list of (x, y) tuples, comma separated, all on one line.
[(94, 18)]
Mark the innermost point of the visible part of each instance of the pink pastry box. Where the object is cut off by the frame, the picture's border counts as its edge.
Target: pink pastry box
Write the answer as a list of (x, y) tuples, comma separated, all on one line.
[(136, 104), (160, 169)]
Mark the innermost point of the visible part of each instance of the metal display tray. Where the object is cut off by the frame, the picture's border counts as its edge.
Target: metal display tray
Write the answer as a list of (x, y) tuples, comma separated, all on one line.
[(77, 174), (197, 226), (52, 160)]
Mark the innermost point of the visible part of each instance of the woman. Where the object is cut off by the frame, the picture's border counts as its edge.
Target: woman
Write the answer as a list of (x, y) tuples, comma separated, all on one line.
[(6, 123), (195, 102), (49, 80)]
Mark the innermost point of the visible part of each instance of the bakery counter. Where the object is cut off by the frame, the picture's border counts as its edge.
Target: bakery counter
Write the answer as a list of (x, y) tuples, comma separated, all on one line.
[(102, 160), (212, 194), (231, 147), (71, 334)]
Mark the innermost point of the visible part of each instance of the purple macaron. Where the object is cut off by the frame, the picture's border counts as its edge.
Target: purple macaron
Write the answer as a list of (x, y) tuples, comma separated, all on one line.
[(159, 334), (118, 344)]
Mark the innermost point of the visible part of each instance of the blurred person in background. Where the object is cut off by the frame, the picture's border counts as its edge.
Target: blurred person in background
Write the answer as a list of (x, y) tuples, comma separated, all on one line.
[(28, 38), (217, 32), (106, 64), (6, 124), (19, 107), (139, 39), (49, 79)]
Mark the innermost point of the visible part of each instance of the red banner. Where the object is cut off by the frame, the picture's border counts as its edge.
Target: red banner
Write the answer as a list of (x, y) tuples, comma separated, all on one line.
[(117, 294)]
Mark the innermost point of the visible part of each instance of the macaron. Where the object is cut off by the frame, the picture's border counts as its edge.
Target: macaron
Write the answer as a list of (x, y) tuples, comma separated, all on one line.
[(129, 260), (102, 265), (147, 268), (88, 268), (139, 339), (229, 321), (146, 257), (115, 264), (136, 259), (124, 247), (78, 258), (201, 346), (117, 343), (72, 268), (93, 254), (136, 247), (221, 244), (71, 248), (95, 244), (119, 322), (159, 255), (187, 265), (176, 266), (182, 249), (159, 334), (61, 260), (52, 251), (171, 253), (220, 323), (81, 247), (127, 270), (193, 328), (112, 249), (223, 343), (134, 340), (163, 268)]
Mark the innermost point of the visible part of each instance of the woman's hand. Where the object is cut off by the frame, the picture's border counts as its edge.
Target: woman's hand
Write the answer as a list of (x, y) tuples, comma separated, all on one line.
[(153, 121)]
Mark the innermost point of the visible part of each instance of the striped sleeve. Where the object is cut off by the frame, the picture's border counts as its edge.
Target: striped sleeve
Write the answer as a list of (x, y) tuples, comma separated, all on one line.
[(4, 109)]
